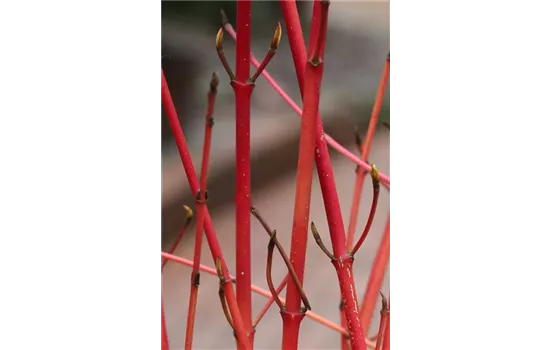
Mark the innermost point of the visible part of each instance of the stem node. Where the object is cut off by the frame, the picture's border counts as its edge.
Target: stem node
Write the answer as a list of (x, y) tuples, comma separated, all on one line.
[(197, 279), (316, 59)]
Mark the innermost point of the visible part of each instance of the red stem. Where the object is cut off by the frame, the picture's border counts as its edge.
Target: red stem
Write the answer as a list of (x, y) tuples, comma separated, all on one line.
[(329, 140), (201, 197), (365, 152), (263, 293), (293, 313), (376, 278), (181, 234), (344, 342), (243, 91), (327, 182), (386, 343), (384, 314), (164, 333), (374, 205), (208, 227)]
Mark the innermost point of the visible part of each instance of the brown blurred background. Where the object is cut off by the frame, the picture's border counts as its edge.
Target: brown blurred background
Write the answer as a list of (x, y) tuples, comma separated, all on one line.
[(357, 44)]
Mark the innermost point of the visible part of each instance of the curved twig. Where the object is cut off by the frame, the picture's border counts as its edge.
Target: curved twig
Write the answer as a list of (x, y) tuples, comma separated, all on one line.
[(376, 193), (291, 270), (270, 248), (320, 243)]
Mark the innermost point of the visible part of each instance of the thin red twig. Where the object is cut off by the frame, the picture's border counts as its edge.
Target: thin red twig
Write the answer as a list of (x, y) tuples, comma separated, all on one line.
[(164, 333), (386, 343), (384, 313), (376, 278), (374, 205), (181, 234), (270, 301), (365, 152), (208, 227), (201, 198)]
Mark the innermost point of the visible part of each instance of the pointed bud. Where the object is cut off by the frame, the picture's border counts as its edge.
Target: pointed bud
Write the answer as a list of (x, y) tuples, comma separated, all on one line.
[(214, 82), (219, 39), (276, 37), (188, 212), (375, 174)]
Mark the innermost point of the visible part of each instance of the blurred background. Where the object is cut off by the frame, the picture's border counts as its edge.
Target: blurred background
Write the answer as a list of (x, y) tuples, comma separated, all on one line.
[(357, 45)]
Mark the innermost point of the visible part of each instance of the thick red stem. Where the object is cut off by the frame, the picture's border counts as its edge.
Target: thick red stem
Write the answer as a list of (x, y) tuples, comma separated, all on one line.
[(326, 178), (293, 313), (291, 328), (344, 271), (375, 279), (208, 227), (243, 91)]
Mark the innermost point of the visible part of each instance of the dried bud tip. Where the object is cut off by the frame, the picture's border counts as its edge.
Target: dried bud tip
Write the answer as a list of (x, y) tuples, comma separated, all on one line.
[(188, 212), (214, 82), (224, 17), (276, 37), (314, 229), (219, 267), (388, 58), (384, 302), (375, 174), (325, 2), (219, 39)]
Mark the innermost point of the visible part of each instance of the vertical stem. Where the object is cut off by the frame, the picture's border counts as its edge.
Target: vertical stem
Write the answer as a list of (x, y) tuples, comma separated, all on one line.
[(386, 343), (344, 343), (375, 279), (164, 334), (213, 243), (293, 313), (243, 92), (384, 313), (200, 198), (326, 179)]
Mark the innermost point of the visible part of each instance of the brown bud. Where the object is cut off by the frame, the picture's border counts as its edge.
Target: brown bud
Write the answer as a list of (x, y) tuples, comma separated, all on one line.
[(276, 37), (214, 82), (375, 174), (219, 39)]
